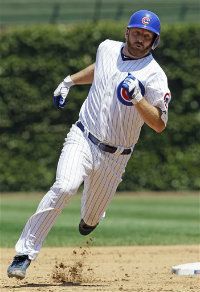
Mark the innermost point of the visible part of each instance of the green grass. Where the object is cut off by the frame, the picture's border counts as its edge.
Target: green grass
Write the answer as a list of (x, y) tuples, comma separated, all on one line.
[(130, 220)]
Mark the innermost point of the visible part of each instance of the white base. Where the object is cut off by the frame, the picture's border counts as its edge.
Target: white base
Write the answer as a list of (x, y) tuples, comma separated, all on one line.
[(189, 269)]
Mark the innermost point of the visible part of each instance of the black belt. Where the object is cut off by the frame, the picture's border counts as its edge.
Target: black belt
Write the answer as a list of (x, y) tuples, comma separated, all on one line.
[(102, 146)]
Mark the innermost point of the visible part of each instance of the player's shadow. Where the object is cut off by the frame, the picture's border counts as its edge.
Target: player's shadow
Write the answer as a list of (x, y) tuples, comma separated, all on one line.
[(64, 284)]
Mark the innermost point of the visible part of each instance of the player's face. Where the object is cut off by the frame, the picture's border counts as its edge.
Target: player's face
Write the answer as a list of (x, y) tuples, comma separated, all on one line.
[(138, 41)]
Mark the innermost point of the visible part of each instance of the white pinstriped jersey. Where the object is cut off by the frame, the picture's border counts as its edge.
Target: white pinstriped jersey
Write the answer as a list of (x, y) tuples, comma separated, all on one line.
[(111, 117), (106, 112)]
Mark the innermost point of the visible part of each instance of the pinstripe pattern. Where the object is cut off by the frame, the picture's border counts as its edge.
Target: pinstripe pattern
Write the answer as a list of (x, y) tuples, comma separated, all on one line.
[(80, 161), (107, 118), (112, 122), (74, 165), (101, 185)]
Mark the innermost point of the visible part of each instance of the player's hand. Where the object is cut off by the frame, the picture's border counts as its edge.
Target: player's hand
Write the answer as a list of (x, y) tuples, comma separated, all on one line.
[(61, 92), (131, 84)]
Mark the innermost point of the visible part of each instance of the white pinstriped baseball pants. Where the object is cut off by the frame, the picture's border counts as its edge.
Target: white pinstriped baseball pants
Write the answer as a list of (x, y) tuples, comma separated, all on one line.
[(80, 160)]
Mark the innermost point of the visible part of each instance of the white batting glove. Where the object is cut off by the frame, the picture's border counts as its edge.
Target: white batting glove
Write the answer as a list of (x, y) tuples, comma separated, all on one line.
[(131, 84), (61, 92)]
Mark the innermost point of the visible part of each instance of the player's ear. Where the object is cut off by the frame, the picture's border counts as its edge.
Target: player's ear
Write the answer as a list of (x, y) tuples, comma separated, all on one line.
[(126, 33)]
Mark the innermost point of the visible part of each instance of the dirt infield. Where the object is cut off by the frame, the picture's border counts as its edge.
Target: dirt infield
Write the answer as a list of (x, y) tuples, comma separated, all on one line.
[(110, 269)]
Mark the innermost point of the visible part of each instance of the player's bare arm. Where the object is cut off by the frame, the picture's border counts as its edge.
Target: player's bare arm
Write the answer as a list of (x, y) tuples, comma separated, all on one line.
[(84, 76), (151, 115)]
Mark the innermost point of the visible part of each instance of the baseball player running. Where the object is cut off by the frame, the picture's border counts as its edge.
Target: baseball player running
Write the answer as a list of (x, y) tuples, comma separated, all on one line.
[(128, 89)]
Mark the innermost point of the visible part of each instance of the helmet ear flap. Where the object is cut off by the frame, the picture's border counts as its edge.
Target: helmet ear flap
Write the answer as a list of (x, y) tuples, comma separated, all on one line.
[(156, 42)]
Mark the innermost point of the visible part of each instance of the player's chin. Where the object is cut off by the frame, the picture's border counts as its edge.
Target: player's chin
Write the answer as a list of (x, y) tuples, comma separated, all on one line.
[(137, 52)]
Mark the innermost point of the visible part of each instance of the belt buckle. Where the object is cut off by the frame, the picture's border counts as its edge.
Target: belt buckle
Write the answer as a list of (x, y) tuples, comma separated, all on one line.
[(101, 145), (86, 131), (119, 150)]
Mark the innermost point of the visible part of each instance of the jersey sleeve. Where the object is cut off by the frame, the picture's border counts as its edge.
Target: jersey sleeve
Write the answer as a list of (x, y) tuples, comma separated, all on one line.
[(100, 51), (158, 94), (104, 47)]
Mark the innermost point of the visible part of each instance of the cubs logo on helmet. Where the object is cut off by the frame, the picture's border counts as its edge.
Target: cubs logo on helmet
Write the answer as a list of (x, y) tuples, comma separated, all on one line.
[(146, 20)]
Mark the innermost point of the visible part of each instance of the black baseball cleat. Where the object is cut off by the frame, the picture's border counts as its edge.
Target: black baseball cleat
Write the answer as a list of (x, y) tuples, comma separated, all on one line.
[(18, 267), (85, 229)]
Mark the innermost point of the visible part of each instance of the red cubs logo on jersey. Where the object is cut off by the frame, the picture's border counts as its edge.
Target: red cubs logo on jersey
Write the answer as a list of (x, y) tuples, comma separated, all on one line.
[(146, 20), (167, 98), (122, 94)]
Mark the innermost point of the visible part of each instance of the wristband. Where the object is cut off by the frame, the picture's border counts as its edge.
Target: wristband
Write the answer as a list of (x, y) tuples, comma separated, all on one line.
[(137, 97), (68, 81)]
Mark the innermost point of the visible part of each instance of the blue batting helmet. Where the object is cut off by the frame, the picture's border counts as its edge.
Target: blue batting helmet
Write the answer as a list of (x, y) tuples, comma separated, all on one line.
[(147, 20)]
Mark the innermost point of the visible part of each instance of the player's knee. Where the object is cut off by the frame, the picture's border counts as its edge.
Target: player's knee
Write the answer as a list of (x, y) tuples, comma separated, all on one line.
[(62, 187)]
